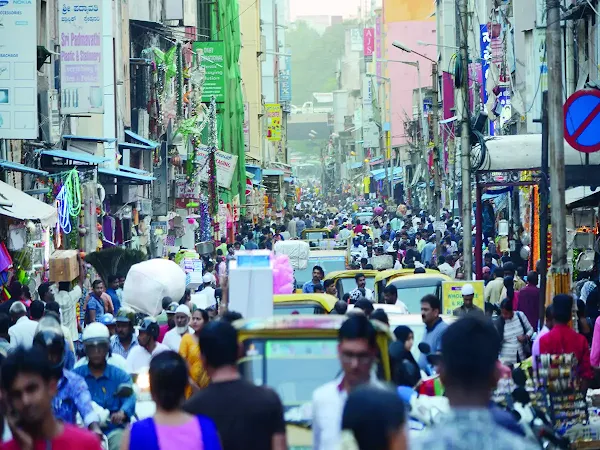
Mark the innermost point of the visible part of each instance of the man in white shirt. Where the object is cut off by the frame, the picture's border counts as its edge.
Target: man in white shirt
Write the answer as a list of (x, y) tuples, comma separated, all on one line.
[(206, 297), (139, 356), (23, 331), (67, 299), (361, 283), (446, 266), (357, 352), (182, 319)]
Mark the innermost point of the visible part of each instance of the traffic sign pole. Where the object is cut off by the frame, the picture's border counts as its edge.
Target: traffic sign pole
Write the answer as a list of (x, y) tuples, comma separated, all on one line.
[(582, 120)]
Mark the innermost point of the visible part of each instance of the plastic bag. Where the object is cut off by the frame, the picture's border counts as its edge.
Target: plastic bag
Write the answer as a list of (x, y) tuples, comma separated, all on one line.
[(148, 282)]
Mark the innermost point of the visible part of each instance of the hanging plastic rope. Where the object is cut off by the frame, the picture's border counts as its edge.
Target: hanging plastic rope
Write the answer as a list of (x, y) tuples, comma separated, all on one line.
[(64, 219), (73, 193)]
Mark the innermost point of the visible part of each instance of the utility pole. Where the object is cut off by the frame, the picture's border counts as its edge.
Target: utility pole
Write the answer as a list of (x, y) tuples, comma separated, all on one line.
[(425, 140), (465, 143), (559, 277), (437, 194)]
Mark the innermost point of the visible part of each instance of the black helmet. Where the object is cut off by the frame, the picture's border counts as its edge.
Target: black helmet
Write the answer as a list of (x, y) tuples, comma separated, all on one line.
[(49, 336), (150, 326), (125, 315)]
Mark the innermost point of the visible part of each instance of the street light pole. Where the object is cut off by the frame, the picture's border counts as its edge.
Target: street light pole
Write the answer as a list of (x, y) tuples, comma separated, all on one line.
[(437, 195), (465, 144), (425, 142)]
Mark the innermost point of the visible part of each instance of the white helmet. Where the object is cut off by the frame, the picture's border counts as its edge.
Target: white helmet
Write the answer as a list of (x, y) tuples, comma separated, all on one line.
[(96, 333)]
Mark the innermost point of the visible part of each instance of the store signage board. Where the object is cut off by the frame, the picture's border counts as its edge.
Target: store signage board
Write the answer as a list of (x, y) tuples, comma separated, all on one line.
[(273, 112), (81, 71), (213, 61), (225, 162), (18, 70), (452, 295), (582, 120)]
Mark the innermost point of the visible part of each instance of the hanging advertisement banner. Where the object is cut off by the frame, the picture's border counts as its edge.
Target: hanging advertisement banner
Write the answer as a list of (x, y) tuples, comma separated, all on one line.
[(378, 40), (368, 43), (285, 81), (356, 40), (213, 61), (225, 162), (246, 127), (18, 74), (273, 111), (81, 80)]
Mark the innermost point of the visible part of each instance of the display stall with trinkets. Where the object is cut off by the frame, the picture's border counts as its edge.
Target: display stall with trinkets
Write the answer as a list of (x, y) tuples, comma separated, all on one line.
[(558, 394)]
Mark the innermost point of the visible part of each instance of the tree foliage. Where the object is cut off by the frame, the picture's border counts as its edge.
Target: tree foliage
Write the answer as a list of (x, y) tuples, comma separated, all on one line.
[(314, 59)]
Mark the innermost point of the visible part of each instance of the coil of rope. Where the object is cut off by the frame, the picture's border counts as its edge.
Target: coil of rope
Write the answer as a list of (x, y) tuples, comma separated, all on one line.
[(73, 192), (62, 205)]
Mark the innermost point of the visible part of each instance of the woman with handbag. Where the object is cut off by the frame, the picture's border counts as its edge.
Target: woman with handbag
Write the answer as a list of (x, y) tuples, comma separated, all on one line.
[(516, 332)]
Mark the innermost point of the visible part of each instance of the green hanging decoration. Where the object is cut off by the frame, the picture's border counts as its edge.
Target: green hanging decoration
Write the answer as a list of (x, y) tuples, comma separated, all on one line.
[(167, 60), (179, 82)]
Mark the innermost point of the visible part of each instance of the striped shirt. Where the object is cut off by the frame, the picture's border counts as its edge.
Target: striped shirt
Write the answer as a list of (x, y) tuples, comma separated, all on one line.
[(511, 347)]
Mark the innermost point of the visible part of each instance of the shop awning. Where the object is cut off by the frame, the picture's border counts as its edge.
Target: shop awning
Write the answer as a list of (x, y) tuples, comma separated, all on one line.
[(380, 174), (126, 177), (582, 196), (134, 170), (272, 172), (15, 203), (69, 137), (524, 152), (8, 165), (139, 142), (76, 156)]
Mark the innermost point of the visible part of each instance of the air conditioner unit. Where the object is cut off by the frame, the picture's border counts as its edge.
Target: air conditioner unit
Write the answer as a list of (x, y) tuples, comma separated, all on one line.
[(49, 116), (145, 207)]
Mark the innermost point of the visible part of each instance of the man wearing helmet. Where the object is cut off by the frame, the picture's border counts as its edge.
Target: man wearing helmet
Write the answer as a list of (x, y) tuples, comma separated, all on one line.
[(124, 340), (139, 356), (73, 395), (103, 380)]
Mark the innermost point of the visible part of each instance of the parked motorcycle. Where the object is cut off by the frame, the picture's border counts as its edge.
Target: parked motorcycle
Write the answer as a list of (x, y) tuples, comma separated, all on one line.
[(536, 423)]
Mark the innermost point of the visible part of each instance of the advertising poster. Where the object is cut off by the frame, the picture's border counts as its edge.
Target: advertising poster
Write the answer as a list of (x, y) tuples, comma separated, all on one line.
[(213, 60), (246, 127), (226, 164), (285, 82), (81, 80), (368, 42), (273, 111), (18, 70), (452, 297)]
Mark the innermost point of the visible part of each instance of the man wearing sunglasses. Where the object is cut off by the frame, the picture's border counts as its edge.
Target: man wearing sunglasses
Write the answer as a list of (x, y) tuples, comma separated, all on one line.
[(357, 351)]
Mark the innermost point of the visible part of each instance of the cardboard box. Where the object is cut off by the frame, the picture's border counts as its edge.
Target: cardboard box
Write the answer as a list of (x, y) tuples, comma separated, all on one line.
[(64, 265)]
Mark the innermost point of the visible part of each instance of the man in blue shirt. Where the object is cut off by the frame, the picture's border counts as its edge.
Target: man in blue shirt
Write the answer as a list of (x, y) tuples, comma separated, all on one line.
[(73, 395), (317, 275), (434, 327), (124, 340), (251, 245), (104, 381), (111, 290), (95, 306)]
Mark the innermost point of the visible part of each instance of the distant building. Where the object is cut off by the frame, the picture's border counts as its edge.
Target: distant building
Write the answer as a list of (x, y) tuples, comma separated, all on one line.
[(317, 22)]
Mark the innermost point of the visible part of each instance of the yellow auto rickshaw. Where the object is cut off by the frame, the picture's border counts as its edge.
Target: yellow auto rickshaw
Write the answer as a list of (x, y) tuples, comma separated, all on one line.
[(412, 288), (383, 277), (294, 355), (303, 304), (345, 280)]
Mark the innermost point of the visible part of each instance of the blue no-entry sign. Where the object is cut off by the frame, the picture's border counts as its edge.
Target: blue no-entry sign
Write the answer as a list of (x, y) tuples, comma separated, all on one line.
[(582, 120)]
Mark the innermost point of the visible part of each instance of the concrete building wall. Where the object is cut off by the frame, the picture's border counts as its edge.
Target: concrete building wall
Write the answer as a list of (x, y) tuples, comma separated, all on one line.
[(250, 66), (404, 77)]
